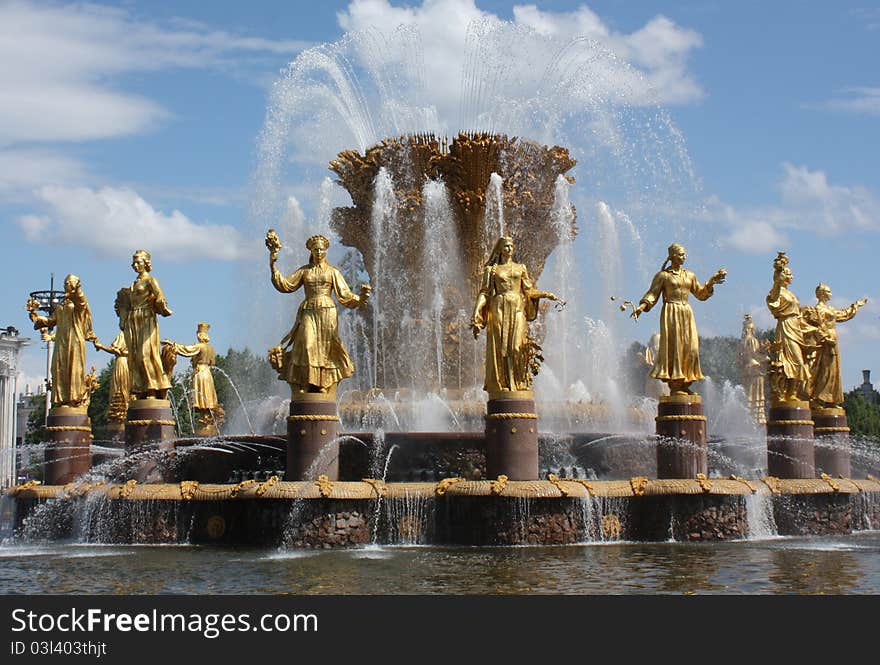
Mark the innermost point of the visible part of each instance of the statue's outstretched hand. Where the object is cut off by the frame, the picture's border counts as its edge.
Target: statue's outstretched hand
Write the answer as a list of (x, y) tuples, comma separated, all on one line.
[(366, 292), (273, 244)]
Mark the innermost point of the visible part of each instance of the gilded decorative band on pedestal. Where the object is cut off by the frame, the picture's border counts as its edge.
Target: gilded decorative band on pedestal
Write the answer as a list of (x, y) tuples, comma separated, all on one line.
[(790, 422), (679, 417), (149, 422), (511, 416), (312, 417), (830, 430), (67, 428)]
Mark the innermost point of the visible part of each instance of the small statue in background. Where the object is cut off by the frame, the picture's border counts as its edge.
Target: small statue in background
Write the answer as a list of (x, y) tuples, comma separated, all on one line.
[(825, 387), (120, 379), (753, 359), (149, 375), (203, 357), (507, 301), (653, 388), (678, 358), (789, 371), (72, 321), (311, 357)]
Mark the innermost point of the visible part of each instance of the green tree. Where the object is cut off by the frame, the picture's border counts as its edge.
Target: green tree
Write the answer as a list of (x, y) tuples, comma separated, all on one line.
[(863, 417), (99, 402)]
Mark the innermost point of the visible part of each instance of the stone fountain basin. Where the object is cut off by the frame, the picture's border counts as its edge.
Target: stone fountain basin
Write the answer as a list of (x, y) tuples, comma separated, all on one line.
[(453, 511)]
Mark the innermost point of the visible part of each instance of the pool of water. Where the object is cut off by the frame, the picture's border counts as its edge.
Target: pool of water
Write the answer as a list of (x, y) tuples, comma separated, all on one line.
[(833, 565)]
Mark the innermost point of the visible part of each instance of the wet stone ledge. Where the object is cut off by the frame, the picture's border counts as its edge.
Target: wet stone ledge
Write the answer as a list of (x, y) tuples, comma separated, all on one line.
[(453, 512)]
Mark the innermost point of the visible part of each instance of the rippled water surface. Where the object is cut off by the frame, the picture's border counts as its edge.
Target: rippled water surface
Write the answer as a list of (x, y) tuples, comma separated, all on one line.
[(832, 565)]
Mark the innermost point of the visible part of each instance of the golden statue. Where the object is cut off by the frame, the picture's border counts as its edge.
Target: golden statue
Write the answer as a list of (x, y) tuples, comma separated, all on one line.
[(202, 357), (825, 387), (72, 320), (789, 372), (120, 379), (507, 301), (149, 376), (678, 358), (311, 357), (752, 359)]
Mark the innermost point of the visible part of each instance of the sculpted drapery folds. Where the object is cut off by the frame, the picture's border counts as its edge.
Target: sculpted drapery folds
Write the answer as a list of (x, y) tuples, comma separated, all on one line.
[(752, 360), (120, 379), (789, 370), (149, 376), (507, 301), (72, 321), (202, 357), (311, 357), (677, 360), (824, 386)]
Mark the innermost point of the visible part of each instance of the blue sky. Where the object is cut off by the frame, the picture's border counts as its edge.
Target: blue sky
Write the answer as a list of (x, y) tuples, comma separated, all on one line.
[(137, 123)]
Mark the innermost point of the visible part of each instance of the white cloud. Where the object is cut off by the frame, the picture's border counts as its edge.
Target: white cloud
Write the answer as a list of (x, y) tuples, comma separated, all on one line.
[(862, 100), (756, 238), (115, 222), (60, 61), (659, 49), (808, 202), (24, 169)]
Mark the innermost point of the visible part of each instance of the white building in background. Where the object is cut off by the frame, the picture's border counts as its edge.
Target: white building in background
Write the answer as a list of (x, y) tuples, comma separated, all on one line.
[(10, 346)]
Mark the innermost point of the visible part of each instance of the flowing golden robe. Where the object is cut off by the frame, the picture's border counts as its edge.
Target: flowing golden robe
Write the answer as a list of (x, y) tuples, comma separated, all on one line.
[(505, 305), (202, 357), (315, 355), (752, 362), (791, 335), (678, 355), (120, 380), (825, 384), (142, 336), (72, 320)]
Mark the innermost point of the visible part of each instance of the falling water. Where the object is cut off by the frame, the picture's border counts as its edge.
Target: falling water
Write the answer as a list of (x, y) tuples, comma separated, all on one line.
[(386, 234), (606, 253), (564, 341), (238, 395), (441, 258), (759, 516), (493, 214)]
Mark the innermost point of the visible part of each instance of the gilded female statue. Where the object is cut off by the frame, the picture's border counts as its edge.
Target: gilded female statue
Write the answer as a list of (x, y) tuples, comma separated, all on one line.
[(789, 370), (678, 358), (311, 357), (120, 379), (507, 301), (72, 320), (149, 377), (825, 387), (752, 360), (202, 357)]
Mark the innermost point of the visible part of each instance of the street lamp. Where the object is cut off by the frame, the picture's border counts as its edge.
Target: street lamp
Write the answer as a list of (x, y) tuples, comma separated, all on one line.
[(47, 301)]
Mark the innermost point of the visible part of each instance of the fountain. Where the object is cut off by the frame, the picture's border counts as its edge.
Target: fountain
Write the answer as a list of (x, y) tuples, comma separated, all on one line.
[(410, 449)]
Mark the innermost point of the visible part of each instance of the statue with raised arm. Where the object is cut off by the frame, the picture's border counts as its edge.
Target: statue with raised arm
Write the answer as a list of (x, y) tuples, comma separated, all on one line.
[(506, 302), (120, 379), (752, 360), (789, 371), (204, 394), (824, 386), (72, 323), (677, 362), (149, 376), (311, 357)]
